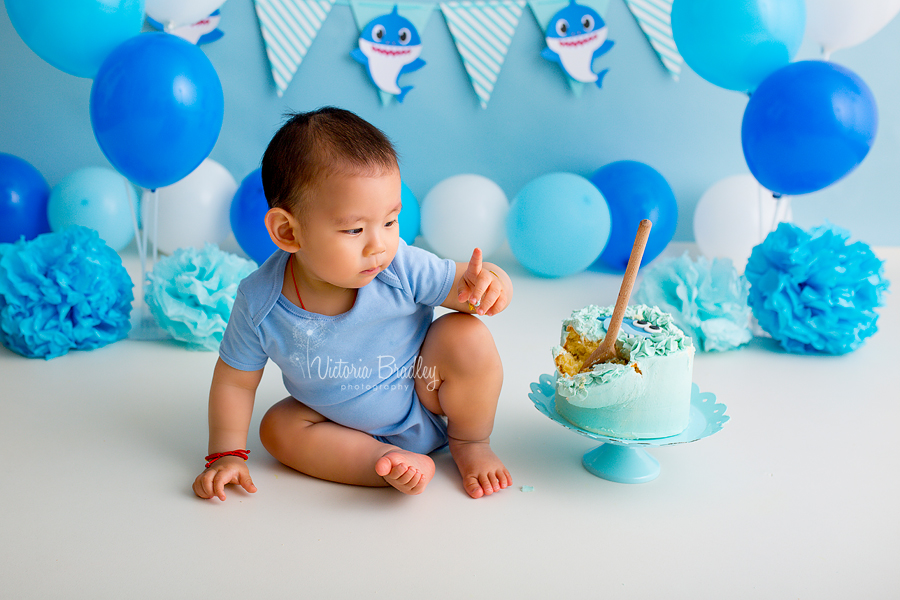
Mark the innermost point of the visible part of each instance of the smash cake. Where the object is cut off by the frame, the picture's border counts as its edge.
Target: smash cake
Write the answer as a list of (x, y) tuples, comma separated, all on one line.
[(645, 393)]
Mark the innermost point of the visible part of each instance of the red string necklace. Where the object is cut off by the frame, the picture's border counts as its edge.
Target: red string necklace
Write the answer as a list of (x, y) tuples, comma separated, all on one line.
[(294, 279)]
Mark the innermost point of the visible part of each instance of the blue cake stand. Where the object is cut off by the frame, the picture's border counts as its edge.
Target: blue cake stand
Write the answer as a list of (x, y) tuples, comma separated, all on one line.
[(623, 460)]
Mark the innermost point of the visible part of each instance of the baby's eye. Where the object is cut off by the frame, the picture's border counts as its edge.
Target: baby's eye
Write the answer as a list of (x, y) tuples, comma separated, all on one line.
[(391, 223), (356, 231)]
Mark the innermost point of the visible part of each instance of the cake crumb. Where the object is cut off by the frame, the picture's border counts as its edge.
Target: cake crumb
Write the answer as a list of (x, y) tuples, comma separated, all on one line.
[(527, 488)]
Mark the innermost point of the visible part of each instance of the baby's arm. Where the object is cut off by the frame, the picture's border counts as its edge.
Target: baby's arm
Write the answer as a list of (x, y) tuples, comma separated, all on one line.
[(231, 397), (481, 285)]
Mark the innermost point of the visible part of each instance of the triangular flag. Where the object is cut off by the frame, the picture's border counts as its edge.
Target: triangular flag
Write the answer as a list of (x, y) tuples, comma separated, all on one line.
[(288, 29), (364, 11), (655, 18), (543, 11), (483, 32)]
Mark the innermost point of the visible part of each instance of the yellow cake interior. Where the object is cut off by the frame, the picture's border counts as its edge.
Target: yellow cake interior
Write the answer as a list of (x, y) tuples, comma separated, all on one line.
[(577, 349)]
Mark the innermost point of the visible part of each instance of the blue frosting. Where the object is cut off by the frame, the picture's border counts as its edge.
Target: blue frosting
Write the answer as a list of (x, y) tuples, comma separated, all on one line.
[(591, 322)]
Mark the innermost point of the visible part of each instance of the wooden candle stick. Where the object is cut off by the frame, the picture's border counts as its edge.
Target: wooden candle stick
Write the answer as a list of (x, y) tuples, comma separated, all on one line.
[(606, 351)]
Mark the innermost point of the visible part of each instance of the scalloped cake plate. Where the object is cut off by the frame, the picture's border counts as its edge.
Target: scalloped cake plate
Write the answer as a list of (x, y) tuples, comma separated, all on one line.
[(624, 460)]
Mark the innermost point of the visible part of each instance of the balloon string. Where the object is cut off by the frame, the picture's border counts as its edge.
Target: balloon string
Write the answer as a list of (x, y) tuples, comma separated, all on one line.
[(781, 205), (155, 225), (134, 221), (760, 200), (141, 248)]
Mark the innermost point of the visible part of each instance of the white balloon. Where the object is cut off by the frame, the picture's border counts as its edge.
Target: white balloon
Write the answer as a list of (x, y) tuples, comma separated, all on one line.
[(193, 211), (836, 24), (462, 213), (733, 216), (175, 13)]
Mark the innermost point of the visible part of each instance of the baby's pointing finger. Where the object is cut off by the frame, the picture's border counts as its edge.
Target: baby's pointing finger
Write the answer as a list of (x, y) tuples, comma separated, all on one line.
[(474, 268)]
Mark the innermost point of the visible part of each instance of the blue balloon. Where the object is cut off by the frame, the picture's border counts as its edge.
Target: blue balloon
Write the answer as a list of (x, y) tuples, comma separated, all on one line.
[(410, 216), (156, 108), (558, 224), (635, 191), (808, 125), (248, 218), (97, 198), (23, 200), (735, 44), (75, 36)]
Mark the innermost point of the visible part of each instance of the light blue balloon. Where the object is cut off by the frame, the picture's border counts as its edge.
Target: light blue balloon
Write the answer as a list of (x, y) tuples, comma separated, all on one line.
[(735, 44), (558, 224), (75, 36), (410, 215), (97, 198)]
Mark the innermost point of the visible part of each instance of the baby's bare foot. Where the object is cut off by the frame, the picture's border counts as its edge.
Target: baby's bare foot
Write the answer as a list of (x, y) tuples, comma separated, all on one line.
[(407, 471), (482, 472)]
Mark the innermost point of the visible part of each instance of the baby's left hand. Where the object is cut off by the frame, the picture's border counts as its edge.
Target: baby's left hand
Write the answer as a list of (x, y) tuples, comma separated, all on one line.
[(484, 289)]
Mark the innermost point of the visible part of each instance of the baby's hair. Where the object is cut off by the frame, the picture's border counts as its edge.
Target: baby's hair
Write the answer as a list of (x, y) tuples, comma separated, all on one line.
[(317, 144)]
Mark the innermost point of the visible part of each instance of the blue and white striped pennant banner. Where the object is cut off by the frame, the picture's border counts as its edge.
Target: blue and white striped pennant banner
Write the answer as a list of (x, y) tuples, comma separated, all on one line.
[(483, 32), (288, 29), (655, 18)]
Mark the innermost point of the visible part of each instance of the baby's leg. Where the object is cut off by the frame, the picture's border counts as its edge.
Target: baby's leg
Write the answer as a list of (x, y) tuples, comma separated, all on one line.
[(304, 440), (461, 376)]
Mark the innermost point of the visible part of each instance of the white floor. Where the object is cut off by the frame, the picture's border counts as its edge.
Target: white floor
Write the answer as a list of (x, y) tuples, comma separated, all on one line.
[(795, 498)]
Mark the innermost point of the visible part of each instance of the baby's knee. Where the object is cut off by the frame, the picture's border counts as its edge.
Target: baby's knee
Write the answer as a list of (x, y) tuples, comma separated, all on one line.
[(466, 341), (269, 429), (281, 422)]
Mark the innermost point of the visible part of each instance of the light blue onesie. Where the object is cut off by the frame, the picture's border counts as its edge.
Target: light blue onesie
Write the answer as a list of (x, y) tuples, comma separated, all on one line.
[(355, 368)]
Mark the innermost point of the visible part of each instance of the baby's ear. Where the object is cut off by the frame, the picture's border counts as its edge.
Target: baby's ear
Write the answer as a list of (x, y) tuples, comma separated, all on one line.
[(283, 229)]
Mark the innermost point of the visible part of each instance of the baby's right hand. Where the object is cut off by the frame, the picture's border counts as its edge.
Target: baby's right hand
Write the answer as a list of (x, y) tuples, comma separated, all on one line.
[(226, 470)]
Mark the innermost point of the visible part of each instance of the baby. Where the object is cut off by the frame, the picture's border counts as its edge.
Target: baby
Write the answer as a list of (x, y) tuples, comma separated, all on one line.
[(346, 310)]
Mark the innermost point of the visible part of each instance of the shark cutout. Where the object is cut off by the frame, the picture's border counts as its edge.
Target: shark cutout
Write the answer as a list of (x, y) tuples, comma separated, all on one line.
[(389, 46), (576, 36), (202, 32)]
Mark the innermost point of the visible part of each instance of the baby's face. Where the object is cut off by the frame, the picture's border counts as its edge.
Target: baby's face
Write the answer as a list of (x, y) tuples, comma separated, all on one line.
[(350, 232)]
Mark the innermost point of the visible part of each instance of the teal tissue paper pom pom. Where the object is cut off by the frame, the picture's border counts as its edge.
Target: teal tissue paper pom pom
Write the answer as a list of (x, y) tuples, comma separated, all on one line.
[(62, 291), (707, 299), (815, 292), (191, 293)]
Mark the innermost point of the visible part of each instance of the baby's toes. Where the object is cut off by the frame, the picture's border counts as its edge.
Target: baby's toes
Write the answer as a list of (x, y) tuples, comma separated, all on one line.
[(474, 488), (486, 485)]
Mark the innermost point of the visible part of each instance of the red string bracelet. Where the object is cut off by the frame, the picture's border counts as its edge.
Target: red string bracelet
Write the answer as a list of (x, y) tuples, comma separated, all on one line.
[(214, 457)]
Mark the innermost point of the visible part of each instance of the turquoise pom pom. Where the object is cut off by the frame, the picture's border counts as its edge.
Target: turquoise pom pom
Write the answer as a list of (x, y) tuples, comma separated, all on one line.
[(707, 299), (62, 291), (813, 291), (191, 293)]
